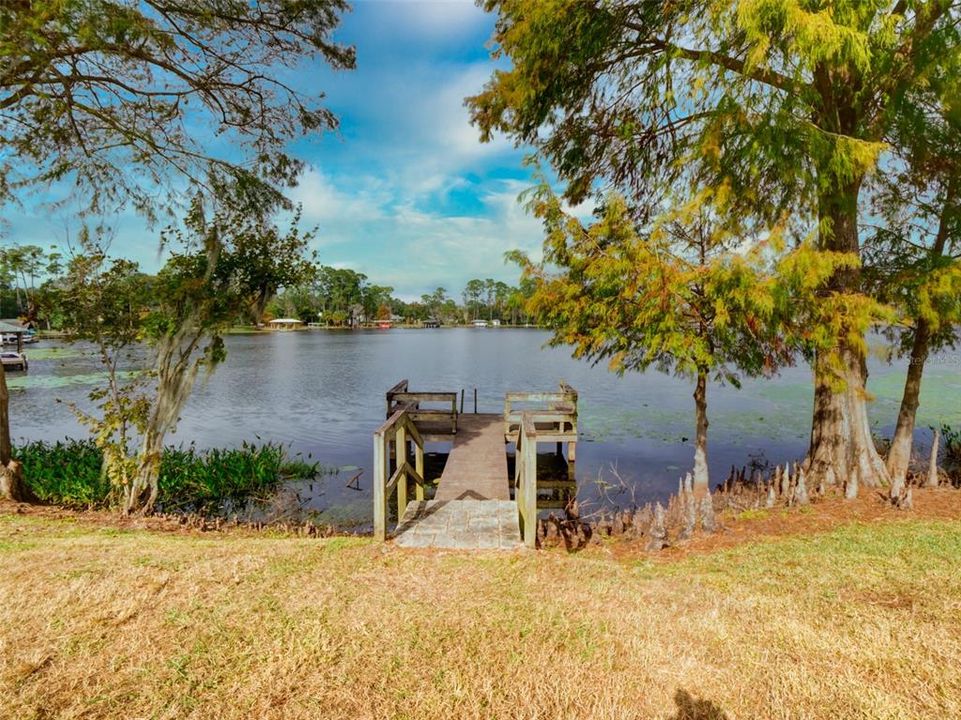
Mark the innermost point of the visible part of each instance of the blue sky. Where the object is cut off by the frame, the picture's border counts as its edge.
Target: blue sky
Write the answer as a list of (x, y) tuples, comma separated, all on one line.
[(405, 192)]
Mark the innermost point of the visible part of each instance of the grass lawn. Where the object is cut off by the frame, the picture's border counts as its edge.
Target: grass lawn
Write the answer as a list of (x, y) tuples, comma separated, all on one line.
[(859, 621)]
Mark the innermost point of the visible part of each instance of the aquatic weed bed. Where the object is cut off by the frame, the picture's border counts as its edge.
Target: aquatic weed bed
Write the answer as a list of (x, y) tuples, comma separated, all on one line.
[(70, 473)]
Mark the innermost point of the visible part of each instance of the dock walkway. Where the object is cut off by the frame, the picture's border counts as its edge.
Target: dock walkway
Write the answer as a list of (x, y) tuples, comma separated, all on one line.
[(472, 507)]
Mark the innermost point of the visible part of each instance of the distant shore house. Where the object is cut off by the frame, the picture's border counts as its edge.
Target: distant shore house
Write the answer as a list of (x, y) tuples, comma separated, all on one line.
[(285, 324), (385, 324), (12, 332), (431, 323), (479, 323)]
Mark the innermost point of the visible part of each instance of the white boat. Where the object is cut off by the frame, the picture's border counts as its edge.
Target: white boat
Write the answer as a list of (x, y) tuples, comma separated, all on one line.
[(13, 360)]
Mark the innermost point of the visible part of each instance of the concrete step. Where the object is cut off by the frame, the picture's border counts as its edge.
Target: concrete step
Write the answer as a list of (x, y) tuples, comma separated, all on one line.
[(460, 525)]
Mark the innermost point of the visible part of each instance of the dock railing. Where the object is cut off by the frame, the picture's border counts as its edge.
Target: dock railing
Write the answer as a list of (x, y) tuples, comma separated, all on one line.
[(525, 478), (531, 418), (399, 397), (396, 435), (554, 418)]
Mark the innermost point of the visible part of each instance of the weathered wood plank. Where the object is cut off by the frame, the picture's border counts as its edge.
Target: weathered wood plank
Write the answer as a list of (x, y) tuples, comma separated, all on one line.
[(538, 397), (399, 387), (419, 470), (405, 396), (403, 465), (529, 487), (379, 489), (476, 469), (477, 465)]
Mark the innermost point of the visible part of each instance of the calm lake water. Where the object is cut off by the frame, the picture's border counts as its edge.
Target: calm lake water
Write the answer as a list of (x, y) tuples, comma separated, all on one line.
[(322, 393)]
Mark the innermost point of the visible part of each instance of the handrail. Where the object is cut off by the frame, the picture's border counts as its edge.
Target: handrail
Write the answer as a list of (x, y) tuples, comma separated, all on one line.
[(557, 409), (396, 433), (554, 419), (399, 397), (399, 387), (525, 479)]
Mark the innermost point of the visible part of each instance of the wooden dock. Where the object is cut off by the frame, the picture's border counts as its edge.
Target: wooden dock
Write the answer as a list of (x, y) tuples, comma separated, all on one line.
[(477, 466), (476, 503)]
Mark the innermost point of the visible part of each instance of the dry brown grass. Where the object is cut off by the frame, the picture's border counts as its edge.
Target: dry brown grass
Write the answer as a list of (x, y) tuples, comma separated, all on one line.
[(862, 621)]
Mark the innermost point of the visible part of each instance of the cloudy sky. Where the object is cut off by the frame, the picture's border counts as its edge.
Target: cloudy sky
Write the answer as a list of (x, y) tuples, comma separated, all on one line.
[(405, 192)]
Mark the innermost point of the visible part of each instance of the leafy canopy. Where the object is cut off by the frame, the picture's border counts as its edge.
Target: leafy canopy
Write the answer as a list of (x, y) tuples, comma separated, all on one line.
[(676, 296), (788, 104), (91, 88)]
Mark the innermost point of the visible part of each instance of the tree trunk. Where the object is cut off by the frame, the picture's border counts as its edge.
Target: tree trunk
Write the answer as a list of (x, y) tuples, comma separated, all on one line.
[(6, 450), (11, 472), (701, 477), (899, 456), (142, 495), (842, 449), (933, 478)]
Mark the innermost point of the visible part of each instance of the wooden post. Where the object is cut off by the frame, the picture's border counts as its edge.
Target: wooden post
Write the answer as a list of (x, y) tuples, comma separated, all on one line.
[(475, 401), (419, 467), (380, 481), (572, 452), (520, 479), (462, 401), (530, 491), (401, 441)]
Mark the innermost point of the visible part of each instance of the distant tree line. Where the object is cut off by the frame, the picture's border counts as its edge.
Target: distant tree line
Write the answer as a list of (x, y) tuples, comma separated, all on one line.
[(342, 297), (283, 280)]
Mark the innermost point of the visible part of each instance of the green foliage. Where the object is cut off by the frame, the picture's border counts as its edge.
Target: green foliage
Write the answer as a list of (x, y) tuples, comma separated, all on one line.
[(21, 267), (782, 109), (91, 88), (169, 327), (337, 296), (106, 302), (210, 480), (673, 297), (70, 473), (951, 450), (764, 115), (263, 261), (822, 320)]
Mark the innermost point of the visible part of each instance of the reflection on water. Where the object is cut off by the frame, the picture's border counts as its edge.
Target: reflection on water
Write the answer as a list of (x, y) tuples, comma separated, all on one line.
[(323, 394)]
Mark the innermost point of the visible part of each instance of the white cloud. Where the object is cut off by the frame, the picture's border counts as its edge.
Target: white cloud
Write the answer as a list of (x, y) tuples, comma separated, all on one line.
[(428, 19), (425, 140), (420, 249), (323, 201)]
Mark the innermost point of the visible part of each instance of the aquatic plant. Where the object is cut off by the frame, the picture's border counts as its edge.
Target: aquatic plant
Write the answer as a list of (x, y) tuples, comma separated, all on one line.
[(208, 480), (951, 439), (70, 473), (67, 472)]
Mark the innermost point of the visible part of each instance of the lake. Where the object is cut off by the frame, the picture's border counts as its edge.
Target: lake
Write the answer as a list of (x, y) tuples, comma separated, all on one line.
[(322, 393)]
